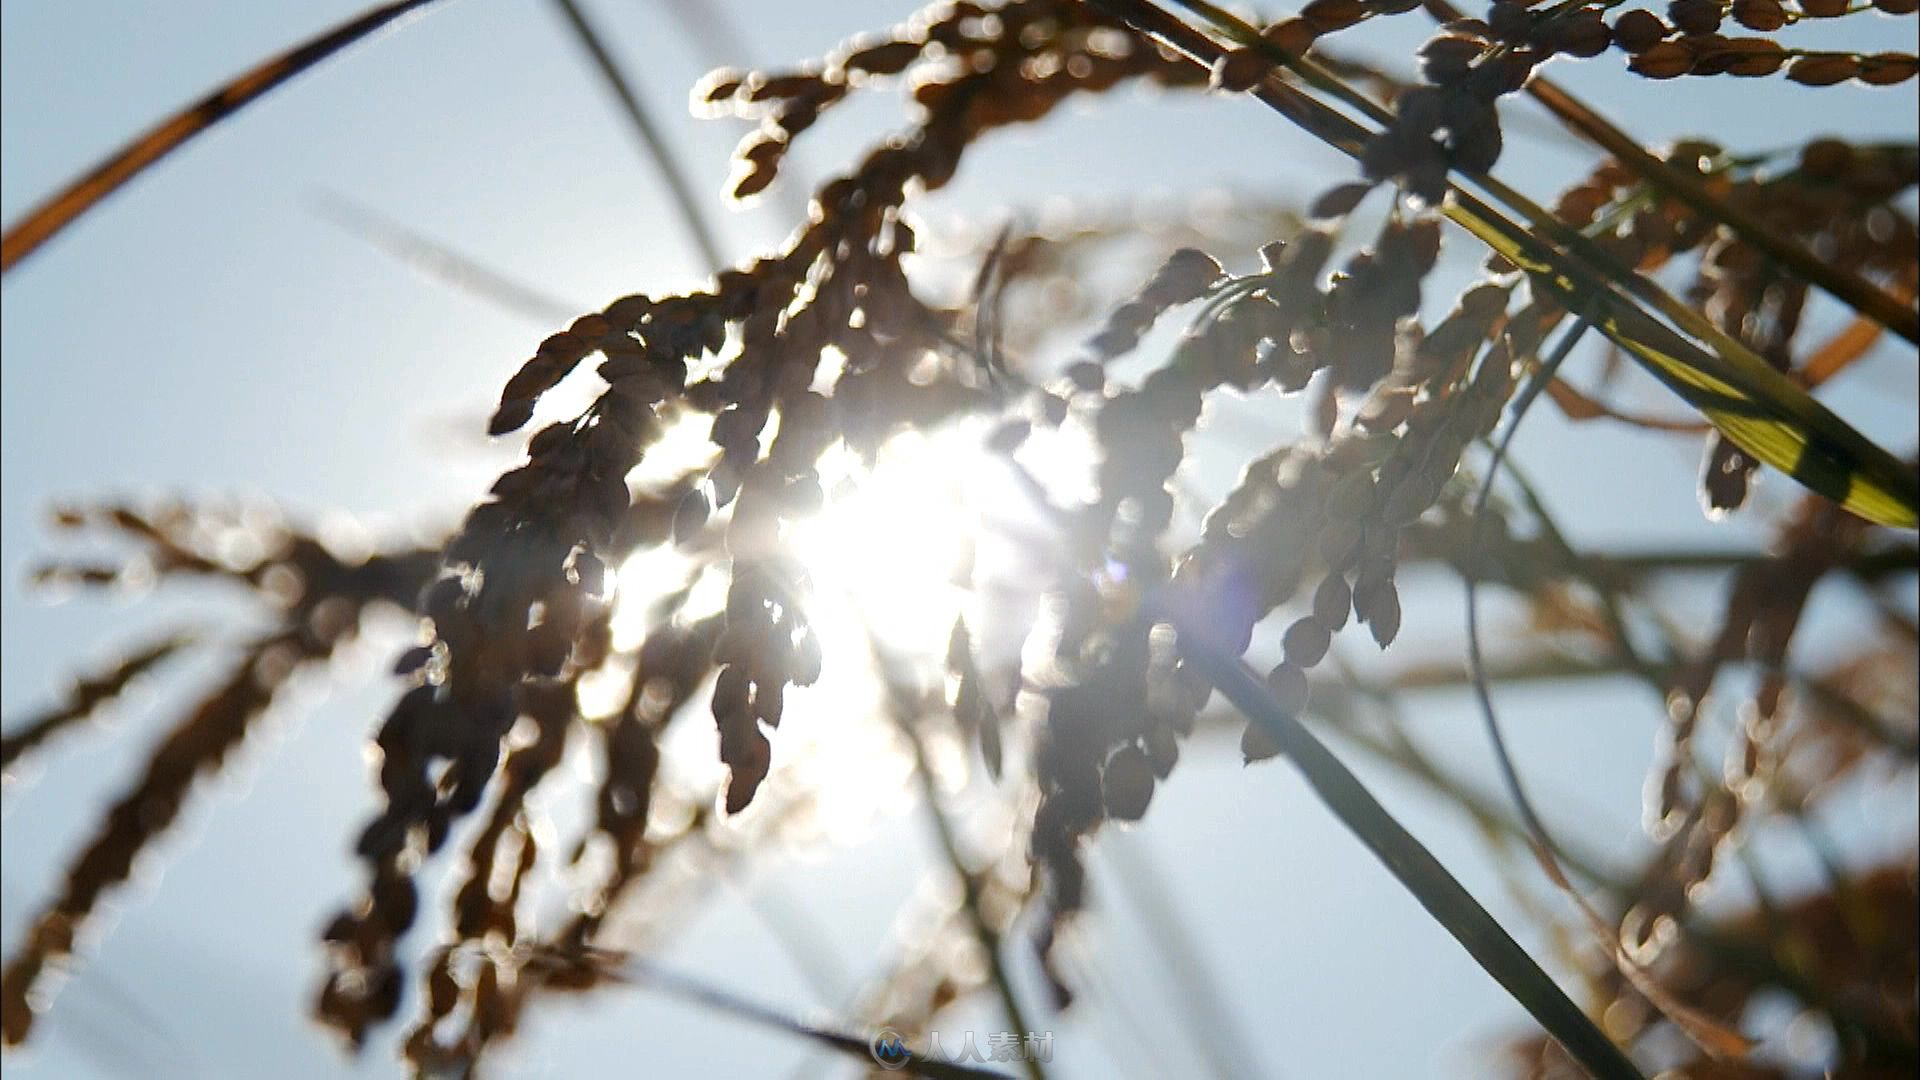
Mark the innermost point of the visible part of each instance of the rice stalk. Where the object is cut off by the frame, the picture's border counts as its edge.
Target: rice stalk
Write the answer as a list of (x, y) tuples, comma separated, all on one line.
[(42, 223)]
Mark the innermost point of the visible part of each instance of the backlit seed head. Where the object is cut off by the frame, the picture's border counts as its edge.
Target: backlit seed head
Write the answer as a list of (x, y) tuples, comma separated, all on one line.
[(1695, 16), (1339, 201), (1307, 641), (1410, 498), (746, 772), (1352, 497), (690, 516), (886, 58), (1257, 745), (1287, 683), (1381, 548), (1333, 601), (1007, 437), (1888, 68), (1711, 56), (1638, 30), (1504, 73), (1184, 276), (1726, 478), (1126, 784), (1826, 159), (769, 699), (1578, 205), (1474, 141), (1340, 541), (1823, 69), (590, 573), (1445, 59), (1376, 602), (1386, 409), (1509, 21), (1665, 60), (1087, 376), (1578, 33), (1762, 15), (1293, 36), (1238, 70), (1163, 750), (1328, 16), (1754, 58)]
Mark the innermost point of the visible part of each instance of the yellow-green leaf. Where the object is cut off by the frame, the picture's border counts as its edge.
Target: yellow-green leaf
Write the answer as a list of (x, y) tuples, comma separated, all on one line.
[(1761, 410)]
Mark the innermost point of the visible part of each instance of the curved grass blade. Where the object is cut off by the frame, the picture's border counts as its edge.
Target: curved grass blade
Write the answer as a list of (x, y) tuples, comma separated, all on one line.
[(1760, 409), (1423, 875), (25, 236)]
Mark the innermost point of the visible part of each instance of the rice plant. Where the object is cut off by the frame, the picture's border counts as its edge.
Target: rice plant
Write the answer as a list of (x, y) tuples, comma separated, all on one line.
[(1046, 506)]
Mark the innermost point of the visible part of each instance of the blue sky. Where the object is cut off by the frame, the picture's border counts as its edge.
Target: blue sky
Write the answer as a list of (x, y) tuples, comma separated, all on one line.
[(207, 333)]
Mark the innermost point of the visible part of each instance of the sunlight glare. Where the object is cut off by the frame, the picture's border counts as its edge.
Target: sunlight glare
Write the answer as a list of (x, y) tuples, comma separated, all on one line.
[(935, 527), (891, 546)]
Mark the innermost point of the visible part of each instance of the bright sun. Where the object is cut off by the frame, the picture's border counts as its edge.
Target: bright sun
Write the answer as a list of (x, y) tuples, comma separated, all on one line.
[(937, 522), (892, 542), (890, 557)]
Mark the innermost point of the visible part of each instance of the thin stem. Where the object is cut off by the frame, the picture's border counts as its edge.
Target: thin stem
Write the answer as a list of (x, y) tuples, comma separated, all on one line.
[(45, 221), (1556, 668), (1476, 662), (794, 930), (1208, 1014), (1124, 1032), (442, 262), (1590, 570), (988, 937), (1647, 672), (1609, 598), (678, 187), (1710, 1036), (640, 971)]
